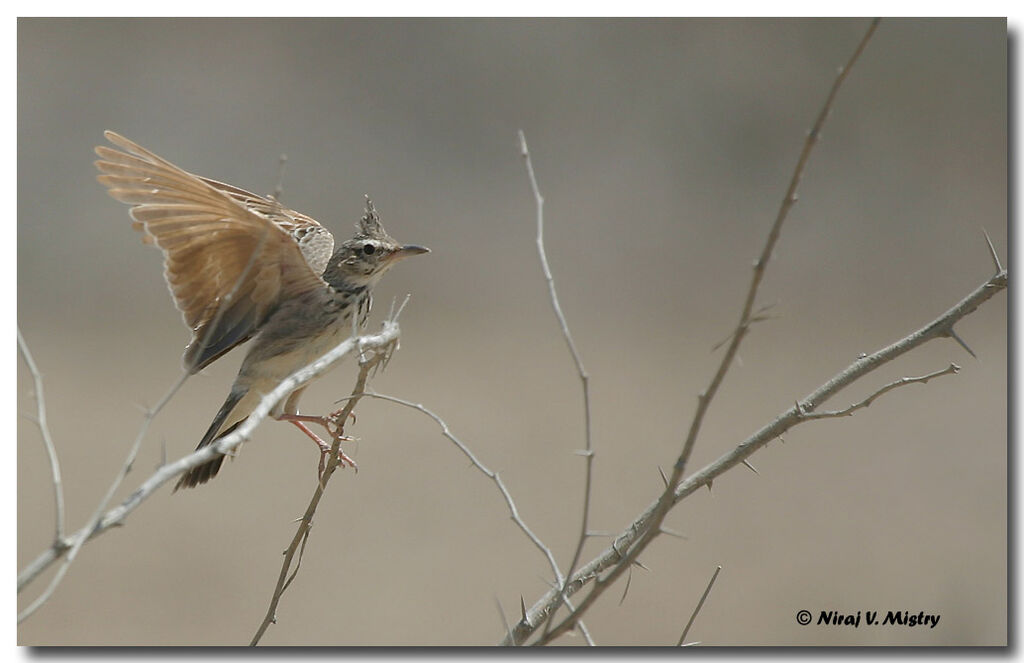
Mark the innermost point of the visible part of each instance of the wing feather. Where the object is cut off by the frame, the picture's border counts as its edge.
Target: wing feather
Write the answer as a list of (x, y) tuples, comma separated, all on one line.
[(228, 265), (315, 241)]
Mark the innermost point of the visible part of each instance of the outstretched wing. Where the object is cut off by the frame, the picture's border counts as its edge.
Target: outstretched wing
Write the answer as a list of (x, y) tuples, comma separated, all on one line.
[(227, 266)]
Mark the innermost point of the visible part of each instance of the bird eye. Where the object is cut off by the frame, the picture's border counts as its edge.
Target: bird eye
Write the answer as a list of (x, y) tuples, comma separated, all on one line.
[(369, 249)]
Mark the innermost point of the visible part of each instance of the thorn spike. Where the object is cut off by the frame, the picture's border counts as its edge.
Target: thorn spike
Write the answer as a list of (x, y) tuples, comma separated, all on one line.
[(955, 337)]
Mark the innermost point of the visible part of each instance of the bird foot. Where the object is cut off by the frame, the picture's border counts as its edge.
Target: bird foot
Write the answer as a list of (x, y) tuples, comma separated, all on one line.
[(344, 460)]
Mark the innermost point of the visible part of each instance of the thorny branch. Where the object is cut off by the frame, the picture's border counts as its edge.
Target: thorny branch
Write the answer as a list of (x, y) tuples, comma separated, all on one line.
[(298, 544), (700, 604), (588, 451)]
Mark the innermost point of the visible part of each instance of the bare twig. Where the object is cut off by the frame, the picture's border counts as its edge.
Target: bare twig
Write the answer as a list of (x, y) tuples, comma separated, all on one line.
[(845, 412), (790, 198), (505, 495), (504, 619), (44, 430), (279, 187), (298, 560), (584, 377), (544, 261), (95, 521), (493, 476), (700, 604), (298, 543), (582, 628)]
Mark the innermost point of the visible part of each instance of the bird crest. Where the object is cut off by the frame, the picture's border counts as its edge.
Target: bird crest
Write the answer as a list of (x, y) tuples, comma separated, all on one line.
[(370, 223)]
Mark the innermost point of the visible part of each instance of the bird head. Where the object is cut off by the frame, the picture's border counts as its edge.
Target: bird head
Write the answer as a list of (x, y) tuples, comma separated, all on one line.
[(363, 259)]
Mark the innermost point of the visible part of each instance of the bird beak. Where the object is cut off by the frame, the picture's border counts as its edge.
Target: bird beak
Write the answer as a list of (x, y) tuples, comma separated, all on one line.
[(408, 250)]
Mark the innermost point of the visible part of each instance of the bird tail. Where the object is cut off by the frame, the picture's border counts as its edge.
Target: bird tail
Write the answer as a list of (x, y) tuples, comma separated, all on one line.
[(202, 473)]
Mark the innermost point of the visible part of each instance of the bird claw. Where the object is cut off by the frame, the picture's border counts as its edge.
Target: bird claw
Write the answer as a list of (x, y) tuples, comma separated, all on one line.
[(343, 458), (333, 418)]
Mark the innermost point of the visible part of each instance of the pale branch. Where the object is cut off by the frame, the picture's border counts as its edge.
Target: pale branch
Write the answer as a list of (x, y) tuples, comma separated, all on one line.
[(279, 187), (44, 431), (760, 266), (225, 445), (652, 527), (700, 604), (848, 411), (501, 613), (71, 547), (493, 476), (298, 562), (582, 628), (581, 371), (544, 258), (73, 544), (298, 543), (785, 421)]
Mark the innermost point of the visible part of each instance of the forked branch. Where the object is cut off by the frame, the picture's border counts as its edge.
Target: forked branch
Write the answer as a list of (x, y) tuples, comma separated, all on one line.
[(588, 449), (367, 364)]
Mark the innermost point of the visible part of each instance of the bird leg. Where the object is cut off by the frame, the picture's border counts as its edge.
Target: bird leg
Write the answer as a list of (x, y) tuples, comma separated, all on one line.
[(325, 448)]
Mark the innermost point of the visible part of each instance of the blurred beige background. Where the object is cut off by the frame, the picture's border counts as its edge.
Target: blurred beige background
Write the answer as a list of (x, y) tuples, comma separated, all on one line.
[(663, 148)]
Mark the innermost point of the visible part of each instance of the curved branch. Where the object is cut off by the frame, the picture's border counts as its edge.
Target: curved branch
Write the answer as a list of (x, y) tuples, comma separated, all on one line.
[(588, 450), (896, 384), (44, 430), (490, 474)]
